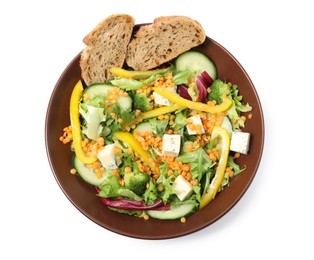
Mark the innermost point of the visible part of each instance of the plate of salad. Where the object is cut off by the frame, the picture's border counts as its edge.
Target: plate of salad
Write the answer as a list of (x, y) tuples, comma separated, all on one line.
[(157, 154)]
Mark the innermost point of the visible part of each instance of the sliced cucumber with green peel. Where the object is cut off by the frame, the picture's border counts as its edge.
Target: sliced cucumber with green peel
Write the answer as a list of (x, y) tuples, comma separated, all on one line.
[(86, 173), (143, 127), (182, 210), (101, 90), (196, 62)]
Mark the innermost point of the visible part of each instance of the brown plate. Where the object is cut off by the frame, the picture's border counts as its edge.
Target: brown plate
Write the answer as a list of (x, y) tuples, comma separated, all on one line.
[(82, 195)]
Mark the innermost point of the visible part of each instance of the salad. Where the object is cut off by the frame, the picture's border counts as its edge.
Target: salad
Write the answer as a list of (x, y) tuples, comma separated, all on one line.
[(160, 143)]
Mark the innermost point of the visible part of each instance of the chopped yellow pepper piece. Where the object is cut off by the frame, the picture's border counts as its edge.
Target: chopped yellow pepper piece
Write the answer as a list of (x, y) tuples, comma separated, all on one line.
[(135, 74), (136, 146), (215, 184), (76, 124), (154, 113), (175, 98)]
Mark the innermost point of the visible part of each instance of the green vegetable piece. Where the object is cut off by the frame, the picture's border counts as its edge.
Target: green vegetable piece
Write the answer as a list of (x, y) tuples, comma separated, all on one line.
[(196, 62), (175, 212), (180, 121), (111, 188), (93, 117), (119, 72), (199, 161), (142, 102), (128, 84), (151, 193), (133, 84), (136, 182), (158, 126), (165, 182), (181, 77), (218, 89)]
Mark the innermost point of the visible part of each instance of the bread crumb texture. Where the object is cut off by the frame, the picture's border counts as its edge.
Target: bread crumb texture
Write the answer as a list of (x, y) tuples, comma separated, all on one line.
[(162, 41), (106, 47)]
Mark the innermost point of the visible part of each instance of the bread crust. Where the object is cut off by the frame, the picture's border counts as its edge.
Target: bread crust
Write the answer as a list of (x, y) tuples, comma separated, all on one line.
[(106, 47), (111, 44), (162, 41)]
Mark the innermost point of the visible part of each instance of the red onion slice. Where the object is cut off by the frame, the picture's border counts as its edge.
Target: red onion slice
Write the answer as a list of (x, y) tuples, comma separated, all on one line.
[(183, 91), (202, 89), (207, 78)]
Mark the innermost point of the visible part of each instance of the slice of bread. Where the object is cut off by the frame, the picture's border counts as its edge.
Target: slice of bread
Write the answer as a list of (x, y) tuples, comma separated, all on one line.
[(162, 41), (106, 47)]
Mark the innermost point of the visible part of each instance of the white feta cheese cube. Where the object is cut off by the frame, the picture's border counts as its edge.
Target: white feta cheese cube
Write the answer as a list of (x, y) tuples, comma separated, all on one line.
[(240, 142), (183, 189), (171, 145), (196, 125), (160, 100), (108, 158)]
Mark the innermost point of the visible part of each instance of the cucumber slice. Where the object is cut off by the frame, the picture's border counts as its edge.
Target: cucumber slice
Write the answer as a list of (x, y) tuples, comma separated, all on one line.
[(196, 63), (143, 127), (180, 211), (101, 90), (87, 174)]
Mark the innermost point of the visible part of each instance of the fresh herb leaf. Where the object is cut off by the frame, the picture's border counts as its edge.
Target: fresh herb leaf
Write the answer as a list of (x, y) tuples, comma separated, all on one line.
[(179, 121), (236, 167), (199, 161), (159, 126)]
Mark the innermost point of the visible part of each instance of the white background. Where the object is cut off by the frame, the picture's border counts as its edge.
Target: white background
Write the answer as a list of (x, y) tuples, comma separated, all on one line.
[(273, 40)]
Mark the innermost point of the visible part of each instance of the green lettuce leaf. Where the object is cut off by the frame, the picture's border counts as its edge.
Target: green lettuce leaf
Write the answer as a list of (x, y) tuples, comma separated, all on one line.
[(220, 88), (181, 77), (199, 161), (166, 182), (158, 126), (180, 120)]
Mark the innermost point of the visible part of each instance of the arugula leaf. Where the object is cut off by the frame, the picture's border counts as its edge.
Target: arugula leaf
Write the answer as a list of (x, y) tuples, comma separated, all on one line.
[(166, 181), (180, 120), (127, 116), (236, 170), (199, 161), (236, 167), (111, 125), (159, 126), (151, 193)]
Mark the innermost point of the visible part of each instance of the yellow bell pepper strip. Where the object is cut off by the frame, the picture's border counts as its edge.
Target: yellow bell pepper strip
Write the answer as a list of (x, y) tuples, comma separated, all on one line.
[(76, 124), (154, 113), (215, 184), (175, 98), (136, 146), (135, 74)]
